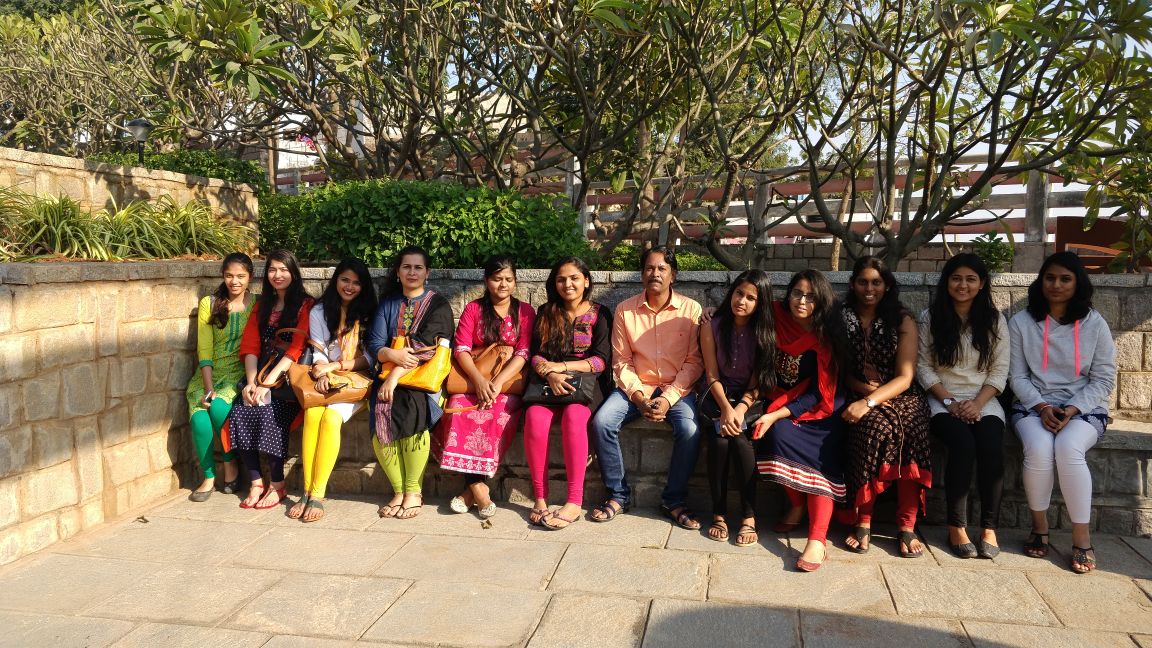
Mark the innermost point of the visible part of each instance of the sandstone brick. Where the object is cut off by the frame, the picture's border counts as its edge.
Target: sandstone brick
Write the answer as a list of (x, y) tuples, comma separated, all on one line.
[(15, 449), (69, 523), (108, 323), (127, 376), (1137, 314), (151, 488), (42, 397), (19, 353), (345, 480), (140, 338), (1135, 390), (126, 462), (179, 334), (1119, 521), (115, 425), (84, 386), (66, 345), (89, 459), (45, 306), (177, 300), (150, 415), (181, 372), (161, 451), (1148, 351), (9, 502), (9, 545), (5, 309), (116, 501), (49, 489), (52, 443), (92, 513), (159, 366), (38, 534), (1130, 352), (136, 302)]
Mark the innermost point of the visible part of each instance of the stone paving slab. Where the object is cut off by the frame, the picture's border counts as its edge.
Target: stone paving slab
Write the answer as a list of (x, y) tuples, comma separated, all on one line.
[(1100, 603), (218, 508), (320, 550), (1011, 554), (884, 549), (506, 563), (460, 614), (283, 641), (1144, 641), (193, 594), (619, 622), (436, 519), (347, 514), (853, 587), (690, 624), (830, 630), (168, 540), (340, 607), (628, 571), (1117, 558), (36, 586), (769, 544), (977, 594), (1002, 635), (24, 630), (627, 530), (152, 635), (1142, 546)]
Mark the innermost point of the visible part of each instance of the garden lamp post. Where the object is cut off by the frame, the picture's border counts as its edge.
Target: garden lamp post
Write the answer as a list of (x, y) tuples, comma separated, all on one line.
[(140, 129)]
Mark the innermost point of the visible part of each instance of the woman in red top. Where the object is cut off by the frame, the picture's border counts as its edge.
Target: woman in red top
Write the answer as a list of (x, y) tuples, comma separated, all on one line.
[(260, 419)]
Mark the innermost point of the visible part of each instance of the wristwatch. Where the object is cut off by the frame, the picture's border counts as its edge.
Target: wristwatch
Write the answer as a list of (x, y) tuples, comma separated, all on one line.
[(948, 402), (870, 403)]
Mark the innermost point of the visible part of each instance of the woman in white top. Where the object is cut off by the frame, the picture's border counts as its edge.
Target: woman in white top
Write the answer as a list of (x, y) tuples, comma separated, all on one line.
[(338, 324), (963, 366), (1063, 370)]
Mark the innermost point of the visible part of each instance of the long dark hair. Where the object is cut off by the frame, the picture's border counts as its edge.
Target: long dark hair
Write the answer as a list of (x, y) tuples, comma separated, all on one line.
[(362, 307), (219, 317), (946, 325), (392, 284), (294, 296), (822, 320), (889, 310), (552, 325), (762, 324), (490, 321), (1081, 301)]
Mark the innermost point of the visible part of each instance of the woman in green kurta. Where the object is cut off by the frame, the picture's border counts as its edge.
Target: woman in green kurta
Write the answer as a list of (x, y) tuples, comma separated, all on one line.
[(220, 325)]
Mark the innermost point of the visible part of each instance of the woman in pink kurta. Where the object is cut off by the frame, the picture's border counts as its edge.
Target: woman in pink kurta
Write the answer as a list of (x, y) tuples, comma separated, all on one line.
[(473, 441)]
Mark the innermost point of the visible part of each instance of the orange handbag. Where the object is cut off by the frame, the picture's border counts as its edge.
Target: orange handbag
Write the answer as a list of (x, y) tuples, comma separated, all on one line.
[(436, 363), (490, 360)]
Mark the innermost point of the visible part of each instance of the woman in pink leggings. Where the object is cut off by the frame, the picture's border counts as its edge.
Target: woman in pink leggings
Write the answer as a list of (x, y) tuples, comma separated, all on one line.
[(572, 334)]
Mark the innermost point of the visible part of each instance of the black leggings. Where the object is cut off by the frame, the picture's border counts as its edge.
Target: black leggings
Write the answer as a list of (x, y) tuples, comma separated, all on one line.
[(980, 443), (720, 449), (251, 459)]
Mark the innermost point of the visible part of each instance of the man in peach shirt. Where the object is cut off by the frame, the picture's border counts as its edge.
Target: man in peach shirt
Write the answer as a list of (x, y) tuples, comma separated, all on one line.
[(656, 362)]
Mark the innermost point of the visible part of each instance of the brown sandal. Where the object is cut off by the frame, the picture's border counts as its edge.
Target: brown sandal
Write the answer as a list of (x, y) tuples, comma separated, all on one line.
[(681, 516), (747, 536), (718, 531)]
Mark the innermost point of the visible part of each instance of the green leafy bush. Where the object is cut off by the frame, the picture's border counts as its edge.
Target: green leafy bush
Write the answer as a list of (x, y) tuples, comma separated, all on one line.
[(208, 163), (627, 257), (35, 228), (282, 217), (459, 226), (995, 252)]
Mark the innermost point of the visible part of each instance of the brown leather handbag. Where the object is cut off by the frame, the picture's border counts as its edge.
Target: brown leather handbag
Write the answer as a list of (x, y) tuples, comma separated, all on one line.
[(490, 360), (343, 386)]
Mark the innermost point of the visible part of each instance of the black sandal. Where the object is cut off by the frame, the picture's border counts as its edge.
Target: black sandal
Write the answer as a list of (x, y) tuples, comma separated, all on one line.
[(863, 534), (747, 531), (313, 505), (681, 516), (1082, 563), (721, 528), (607, 511), (1037, 545), (906, 540)]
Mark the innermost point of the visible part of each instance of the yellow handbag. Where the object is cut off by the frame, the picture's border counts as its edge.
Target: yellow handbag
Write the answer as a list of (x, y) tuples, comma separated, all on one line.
[(435, 364)]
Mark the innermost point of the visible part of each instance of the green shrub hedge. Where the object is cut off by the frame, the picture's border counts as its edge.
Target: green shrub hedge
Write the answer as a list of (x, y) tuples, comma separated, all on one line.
[(208, 163), (459, 226), (627, 257)]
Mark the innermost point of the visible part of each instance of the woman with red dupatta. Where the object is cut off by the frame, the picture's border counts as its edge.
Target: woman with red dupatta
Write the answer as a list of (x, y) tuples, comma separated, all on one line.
[(803, 432)]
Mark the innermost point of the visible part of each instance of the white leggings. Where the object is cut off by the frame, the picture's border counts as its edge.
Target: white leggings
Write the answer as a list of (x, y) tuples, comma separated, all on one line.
[(1064, 451)]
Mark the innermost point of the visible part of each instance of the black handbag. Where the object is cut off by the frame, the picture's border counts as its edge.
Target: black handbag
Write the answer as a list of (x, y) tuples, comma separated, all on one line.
[(539, 391)]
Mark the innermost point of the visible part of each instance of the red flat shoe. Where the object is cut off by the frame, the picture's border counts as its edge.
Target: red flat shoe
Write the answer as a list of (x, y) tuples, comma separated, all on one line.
[(805, 566), (281, 493)]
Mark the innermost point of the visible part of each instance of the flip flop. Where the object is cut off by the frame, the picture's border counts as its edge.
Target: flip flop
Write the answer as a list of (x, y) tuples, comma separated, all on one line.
[(721, 528), (555, 515), (313, 505), (297, 510), (681, 516)]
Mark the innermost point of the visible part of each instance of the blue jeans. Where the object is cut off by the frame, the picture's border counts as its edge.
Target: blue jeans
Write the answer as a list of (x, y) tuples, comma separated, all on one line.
[(618, 410)]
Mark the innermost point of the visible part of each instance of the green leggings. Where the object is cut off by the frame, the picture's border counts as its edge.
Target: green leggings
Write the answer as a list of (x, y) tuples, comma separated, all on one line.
[(206, 424), (404, 461)]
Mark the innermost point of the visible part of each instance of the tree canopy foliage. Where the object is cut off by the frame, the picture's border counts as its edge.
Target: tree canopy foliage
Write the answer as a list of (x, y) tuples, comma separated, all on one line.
[(665, 98)]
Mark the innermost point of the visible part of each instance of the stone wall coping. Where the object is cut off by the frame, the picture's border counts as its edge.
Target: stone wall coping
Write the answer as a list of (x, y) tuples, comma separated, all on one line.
[(79, 164), (78, 271)]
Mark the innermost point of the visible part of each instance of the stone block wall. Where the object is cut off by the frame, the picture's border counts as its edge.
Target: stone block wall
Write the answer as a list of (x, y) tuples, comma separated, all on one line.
[(97, 186), (96, 357), (930, 257)]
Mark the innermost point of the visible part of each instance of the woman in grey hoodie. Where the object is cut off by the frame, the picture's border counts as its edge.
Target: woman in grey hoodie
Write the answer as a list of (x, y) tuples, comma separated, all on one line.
[(1062, 370)]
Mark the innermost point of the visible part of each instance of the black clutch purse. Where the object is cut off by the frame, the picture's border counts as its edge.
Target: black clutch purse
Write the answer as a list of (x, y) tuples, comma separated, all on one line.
[(539, 391)]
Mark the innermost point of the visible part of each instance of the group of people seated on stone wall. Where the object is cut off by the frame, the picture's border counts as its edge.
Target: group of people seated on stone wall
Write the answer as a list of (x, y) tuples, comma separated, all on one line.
[(833, 399)]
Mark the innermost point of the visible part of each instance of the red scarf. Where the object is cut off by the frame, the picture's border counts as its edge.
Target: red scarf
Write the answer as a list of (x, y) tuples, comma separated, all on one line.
[(793, 339)]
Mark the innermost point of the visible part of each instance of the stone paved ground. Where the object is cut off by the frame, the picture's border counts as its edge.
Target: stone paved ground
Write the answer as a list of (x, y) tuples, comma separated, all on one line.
[(203, 575)]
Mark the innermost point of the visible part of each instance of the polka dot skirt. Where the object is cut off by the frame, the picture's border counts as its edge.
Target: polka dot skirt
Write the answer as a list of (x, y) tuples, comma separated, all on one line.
[(262, 427)]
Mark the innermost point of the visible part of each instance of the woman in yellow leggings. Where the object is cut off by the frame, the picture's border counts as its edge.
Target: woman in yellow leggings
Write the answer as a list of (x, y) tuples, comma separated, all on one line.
[(338, 328)]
